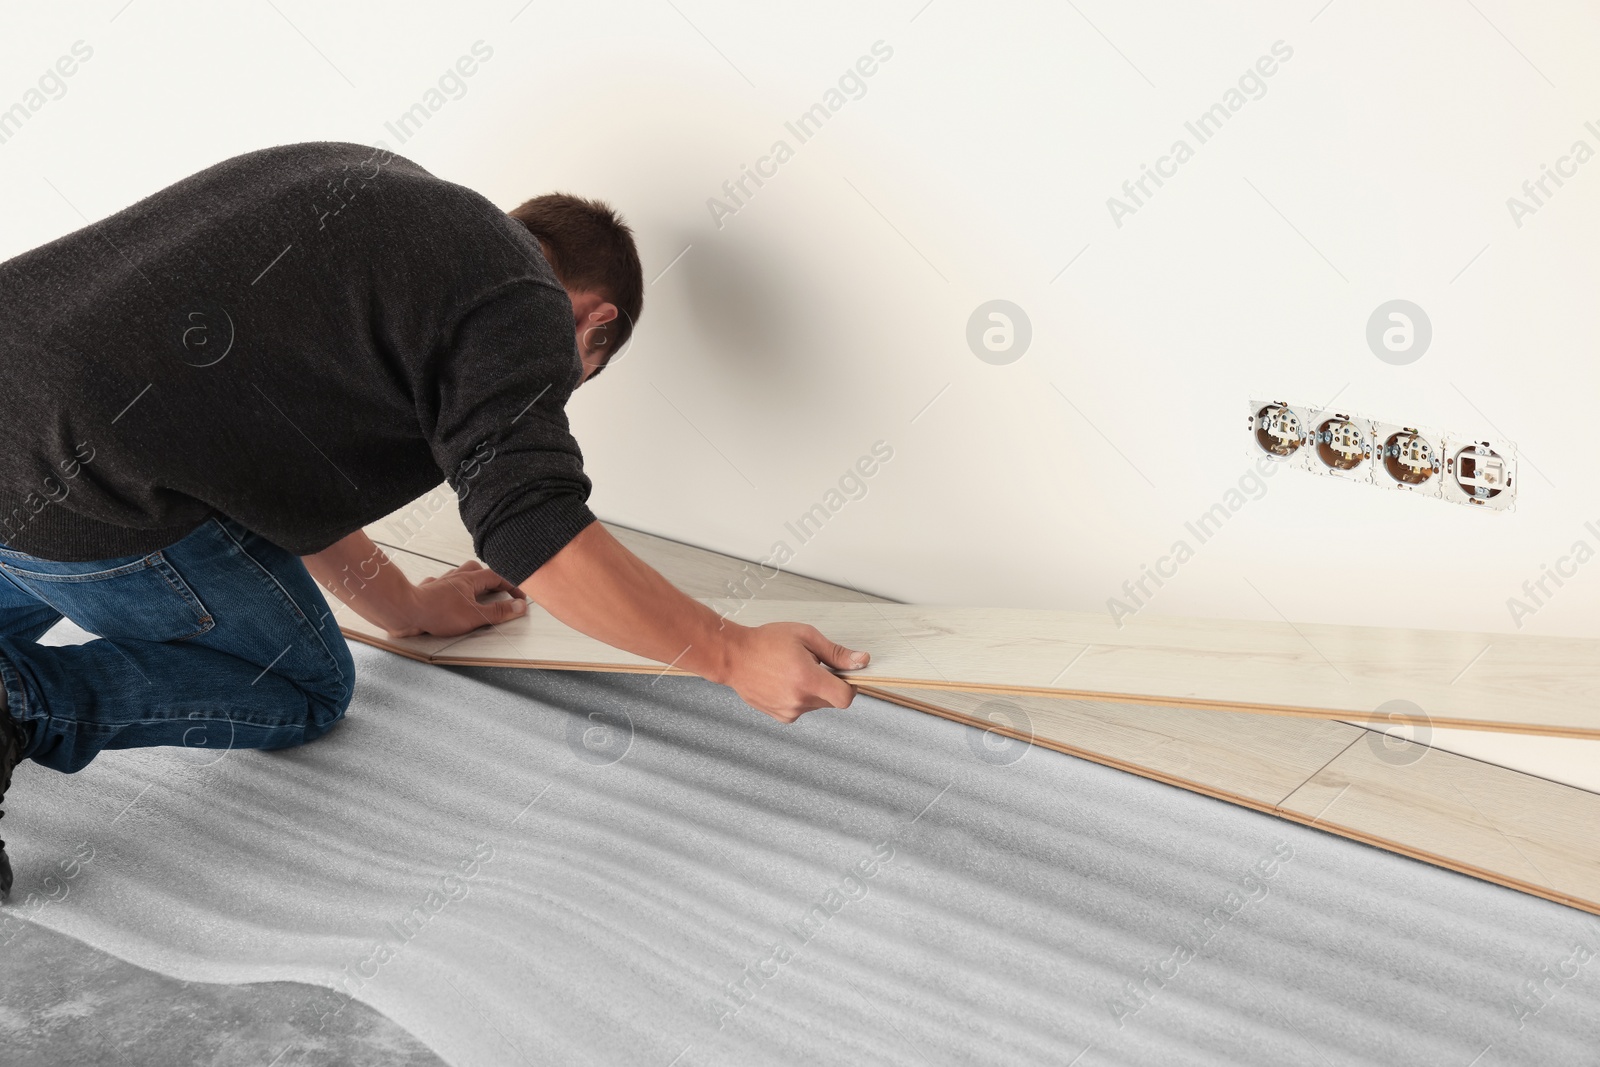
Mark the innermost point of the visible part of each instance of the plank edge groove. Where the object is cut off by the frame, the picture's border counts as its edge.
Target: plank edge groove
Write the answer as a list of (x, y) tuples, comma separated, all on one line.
[(1313, 822)]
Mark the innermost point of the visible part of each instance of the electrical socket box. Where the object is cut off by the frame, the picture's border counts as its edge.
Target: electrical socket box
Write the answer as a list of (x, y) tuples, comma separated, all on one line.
[(1480, 473), (1443, 465), (1341, 445), (1408, 458), (1280, 430)]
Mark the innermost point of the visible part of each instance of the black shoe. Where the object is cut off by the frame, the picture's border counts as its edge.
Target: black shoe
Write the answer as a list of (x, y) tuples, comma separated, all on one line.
[(13, 738)]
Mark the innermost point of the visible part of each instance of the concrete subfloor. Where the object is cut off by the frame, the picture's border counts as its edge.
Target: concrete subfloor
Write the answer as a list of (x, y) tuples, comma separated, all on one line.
[(65, 1002)]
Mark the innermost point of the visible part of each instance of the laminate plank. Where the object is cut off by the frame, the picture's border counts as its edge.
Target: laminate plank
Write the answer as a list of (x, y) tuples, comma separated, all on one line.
[(1259, 761), (702, 573), (429, 526), (1513, 683), (1487, 821), (1528, 685), (1495, 824), (1568, 760)]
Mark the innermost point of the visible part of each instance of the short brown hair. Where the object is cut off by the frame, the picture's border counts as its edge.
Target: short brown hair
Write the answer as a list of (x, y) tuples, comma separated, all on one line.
[(590, 247)]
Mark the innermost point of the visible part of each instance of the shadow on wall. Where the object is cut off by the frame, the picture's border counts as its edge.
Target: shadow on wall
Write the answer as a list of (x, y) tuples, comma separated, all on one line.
[(744, 307)]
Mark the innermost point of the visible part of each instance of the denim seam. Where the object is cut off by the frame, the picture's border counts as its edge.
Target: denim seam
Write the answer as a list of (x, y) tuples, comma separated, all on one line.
[(162, 566), (88, 576), (166, 720), (11, 678), (155, 561), (34, 730), (272, 580)]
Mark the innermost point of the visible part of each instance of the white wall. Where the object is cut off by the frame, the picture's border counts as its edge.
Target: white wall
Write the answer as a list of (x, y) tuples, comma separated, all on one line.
[(832, 307)]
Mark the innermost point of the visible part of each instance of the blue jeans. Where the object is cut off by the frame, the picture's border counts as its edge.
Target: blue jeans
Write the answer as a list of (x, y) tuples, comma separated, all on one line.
[(222, 640)]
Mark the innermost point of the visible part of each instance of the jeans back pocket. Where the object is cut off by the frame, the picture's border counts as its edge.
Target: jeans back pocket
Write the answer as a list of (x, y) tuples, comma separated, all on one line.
[(142, 600)]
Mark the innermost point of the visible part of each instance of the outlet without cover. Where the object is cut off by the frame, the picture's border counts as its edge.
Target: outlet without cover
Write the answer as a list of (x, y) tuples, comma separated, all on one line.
[(1391, 455), (1280, 430), (1480, 473), (1341, 446), (1408, 458)]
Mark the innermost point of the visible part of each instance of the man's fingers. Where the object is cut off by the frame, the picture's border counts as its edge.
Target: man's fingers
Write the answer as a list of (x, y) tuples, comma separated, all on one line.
[(835, 692), (476, 583), (831, 692), (831, 653), (486, 581), (466, 571), (503, 610), (503, 586), (850, 659)]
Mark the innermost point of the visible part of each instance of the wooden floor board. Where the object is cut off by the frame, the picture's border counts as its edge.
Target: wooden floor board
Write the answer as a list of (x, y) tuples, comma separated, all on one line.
[(1262, 764), (709, 574), (1512, 828), (1534, 688), (1513, 683), (1486, 821)]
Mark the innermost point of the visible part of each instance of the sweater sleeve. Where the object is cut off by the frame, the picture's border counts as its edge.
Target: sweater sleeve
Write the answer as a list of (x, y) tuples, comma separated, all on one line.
[(498, 395)]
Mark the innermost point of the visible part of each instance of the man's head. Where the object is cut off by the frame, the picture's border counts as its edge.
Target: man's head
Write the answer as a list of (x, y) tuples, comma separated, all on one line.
[(592, 252)]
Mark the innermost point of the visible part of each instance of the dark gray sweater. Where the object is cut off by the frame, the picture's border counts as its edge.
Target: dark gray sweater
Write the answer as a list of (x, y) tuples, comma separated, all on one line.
[(303, 339)]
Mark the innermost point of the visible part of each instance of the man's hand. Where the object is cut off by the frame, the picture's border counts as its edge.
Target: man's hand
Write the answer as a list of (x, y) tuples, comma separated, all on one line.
[(781, 669), (597, 587), (359, 573), (448, 606)]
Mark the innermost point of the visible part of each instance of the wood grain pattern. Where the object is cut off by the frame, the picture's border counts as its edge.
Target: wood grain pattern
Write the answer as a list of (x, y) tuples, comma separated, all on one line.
[(1529, 685), (1507, 827), (1514, 683), (702, 573), (1261, 763), (709, 574)]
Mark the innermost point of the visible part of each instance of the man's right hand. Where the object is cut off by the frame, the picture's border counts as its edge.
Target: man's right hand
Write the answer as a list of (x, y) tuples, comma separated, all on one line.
[(782, 669), (599, 588)]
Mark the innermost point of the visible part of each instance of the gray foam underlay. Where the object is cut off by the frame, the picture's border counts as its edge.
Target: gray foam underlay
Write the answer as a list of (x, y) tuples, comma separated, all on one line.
[(653, 901)]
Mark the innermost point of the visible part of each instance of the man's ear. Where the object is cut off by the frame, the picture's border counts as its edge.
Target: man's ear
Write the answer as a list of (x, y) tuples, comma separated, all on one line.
[(602, 314)]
